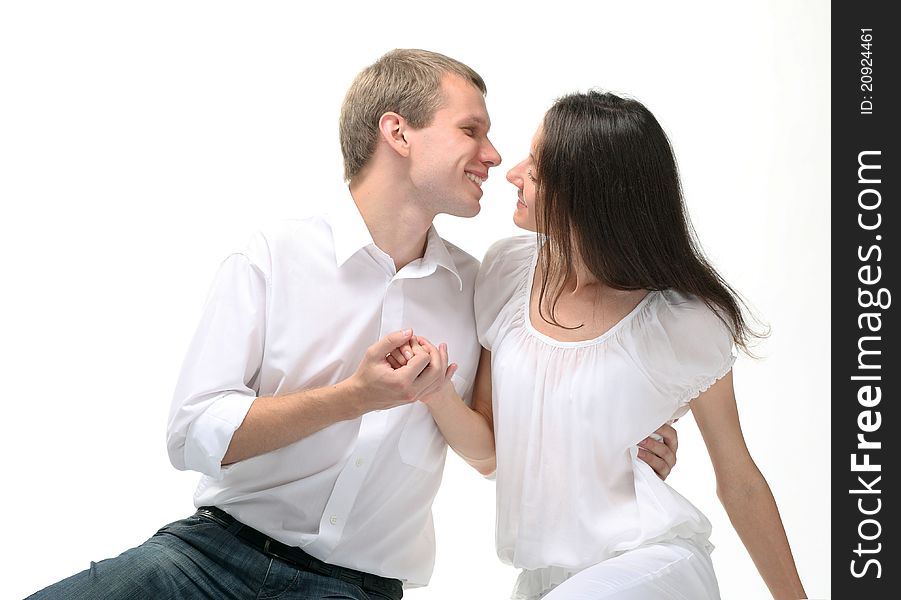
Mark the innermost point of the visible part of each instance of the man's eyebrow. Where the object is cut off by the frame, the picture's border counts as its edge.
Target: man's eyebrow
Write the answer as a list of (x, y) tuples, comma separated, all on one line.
[(478, 120)]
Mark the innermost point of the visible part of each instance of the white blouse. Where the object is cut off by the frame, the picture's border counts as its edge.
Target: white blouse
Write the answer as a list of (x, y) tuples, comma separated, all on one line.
[(571, 491)]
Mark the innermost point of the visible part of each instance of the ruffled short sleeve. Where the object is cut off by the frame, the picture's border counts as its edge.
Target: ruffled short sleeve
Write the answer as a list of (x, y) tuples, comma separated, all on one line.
[(503, 273), (686, 349)]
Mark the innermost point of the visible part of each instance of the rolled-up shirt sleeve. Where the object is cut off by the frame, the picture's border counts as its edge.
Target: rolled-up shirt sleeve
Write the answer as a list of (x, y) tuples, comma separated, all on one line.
[(219, 377)]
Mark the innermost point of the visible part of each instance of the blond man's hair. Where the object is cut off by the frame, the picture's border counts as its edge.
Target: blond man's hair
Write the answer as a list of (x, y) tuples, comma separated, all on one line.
[(407, 82)]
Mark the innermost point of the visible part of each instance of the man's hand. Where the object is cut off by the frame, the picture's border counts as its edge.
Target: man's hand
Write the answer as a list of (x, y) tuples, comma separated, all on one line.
[(660, 454), (383, 386), (438, 363)]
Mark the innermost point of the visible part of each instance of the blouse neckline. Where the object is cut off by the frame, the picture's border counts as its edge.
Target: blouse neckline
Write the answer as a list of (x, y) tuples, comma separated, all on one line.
[(527, 316)]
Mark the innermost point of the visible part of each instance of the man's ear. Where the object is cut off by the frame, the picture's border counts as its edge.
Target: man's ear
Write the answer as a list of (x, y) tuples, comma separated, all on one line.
[(392, 128)]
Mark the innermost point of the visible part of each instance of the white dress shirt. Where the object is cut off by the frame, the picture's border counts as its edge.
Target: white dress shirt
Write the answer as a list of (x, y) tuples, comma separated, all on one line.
[(296, 310), (571, 490)]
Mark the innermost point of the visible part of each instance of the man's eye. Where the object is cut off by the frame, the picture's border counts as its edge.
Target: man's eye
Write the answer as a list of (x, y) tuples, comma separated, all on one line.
[(469, 131)]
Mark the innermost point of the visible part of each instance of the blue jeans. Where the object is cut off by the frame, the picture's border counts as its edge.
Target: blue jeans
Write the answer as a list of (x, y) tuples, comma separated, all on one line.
[(199, 558)]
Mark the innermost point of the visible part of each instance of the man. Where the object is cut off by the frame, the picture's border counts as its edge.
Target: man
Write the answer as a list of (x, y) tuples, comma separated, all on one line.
[(319, 464)]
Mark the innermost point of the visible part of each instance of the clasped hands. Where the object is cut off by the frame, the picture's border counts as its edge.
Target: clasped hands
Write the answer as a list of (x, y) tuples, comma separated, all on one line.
[(402, 368)]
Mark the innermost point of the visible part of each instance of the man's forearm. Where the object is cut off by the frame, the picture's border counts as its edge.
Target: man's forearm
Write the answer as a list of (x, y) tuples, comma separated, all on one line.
[(277, 421), (273, 422)]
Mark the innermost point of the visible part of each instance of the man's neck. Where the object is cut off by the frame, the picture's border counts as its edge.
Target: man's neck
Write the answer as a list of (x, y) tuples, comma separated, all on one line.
[(398, 225)]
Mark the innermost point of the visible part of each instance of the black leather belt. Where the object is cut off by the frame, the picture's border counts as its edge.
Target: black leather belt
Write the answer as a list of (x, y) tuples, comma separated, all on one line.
[(300, 559)]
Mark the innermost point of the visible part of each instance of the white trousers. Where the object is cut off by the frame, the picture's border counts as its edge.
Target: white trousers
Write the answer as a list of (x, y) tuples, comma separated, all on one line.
[(672, 570)]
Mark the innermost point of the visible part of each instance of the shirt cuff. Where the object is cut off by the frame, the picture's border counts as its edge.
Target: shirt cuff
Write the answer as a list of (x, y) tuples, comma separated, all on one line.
[(211, 433)]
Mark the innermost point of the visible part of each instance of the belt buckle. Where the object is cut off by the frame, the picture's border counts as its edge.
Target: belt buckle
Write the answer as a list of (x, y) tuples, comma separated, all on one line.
[(269, 552)]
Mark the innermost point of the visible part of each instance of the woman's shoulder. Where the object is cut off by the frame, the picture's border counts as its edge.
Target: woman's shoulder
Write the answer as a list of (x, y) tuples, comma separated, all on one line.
[(502, 276), (510, 252), (682, 343), (505, 263), (686, 315)]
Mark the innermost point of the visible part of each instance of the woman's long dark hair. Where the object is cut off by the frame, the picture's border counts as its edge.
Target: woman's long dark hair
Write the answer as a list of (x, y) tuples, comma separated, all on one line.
[(609, 191)]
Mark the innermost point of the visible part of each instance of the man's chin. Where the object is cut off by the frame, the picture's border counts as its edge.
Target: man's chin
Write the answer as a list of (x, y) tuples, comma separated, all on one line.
[(466, 212)]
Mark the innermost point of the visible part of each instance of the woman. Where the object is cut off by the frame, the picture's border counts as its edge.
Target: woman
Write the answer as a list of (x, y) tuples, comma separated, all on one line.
[(611, 323)]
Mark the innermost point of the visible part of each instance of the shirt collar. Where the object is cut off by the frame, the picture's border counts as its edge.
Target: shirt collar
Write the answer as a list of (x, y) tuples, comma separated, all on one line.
[(436, 253), (349, 230), (351, 235)]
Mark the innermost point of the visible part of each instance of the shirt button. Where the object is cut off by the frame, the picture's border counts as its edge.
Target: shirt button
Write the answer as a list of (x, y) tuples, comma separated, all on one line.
[(359, 462), (333, 519)]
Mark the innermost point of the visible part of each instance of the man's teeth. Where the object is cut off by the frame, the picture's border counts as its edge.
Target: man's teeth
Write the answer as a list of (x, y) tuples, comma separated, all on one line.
[(475, 179)]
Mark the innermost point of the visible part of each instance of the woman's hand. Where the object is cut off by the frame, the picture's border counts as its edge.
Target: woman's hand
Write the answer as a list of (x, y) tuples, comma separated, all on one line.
[(400, 355), (438, 363), (660, 454)]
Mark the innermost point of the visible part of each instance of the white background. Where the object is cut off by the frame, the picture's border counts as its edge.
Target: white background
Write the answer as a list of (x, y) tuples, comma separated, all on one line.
[(141, 142)]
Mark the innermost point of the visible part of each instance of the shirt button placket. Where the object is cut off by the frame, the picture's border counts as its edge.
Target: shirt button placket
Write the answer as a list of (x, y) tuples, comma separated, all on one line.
[(372, 430), (392, 308)]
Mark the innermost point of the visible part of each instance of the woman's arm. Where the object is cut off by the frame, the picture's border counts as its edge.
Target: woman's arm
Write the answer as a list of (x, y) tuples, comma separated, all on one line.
[(469, 431), (744, 492)]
